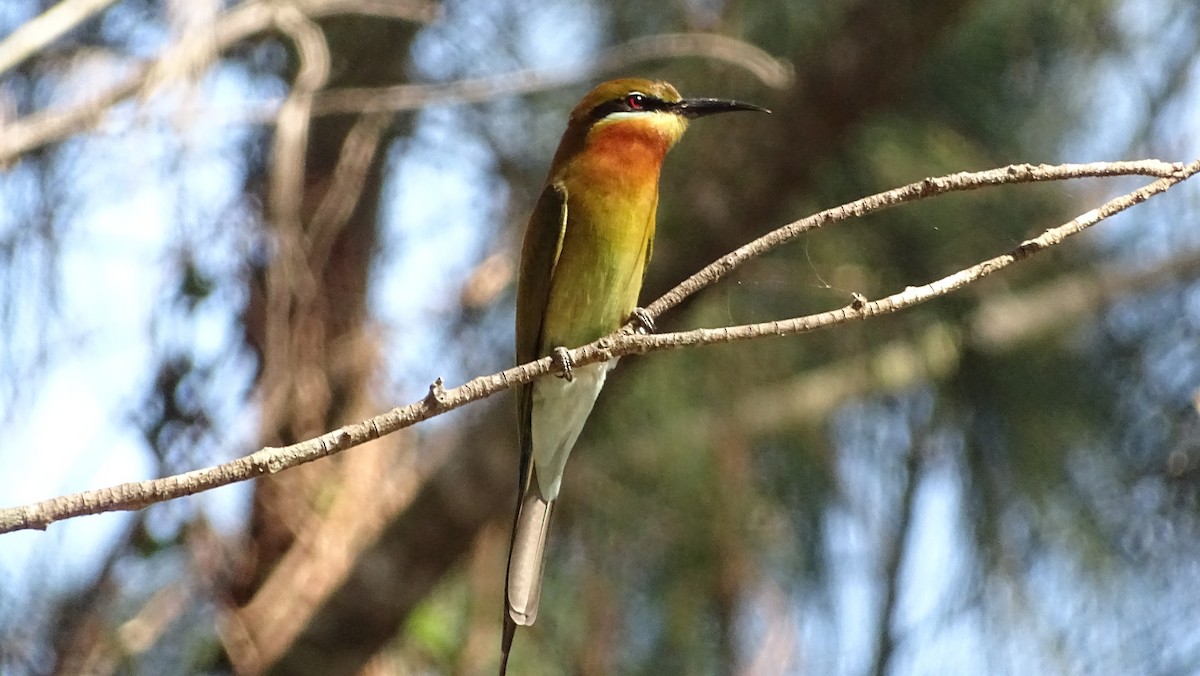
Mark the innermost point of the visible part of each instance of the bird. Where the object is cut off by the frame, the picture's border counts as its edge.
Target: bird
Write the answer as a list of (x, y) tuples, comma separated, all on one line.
[(583, 259)]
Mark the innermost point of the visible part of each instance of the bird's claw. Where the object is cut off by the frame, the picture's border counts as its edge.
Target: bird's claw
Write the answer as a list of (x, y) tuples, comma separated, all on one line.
[(643, 323), (562, 364)]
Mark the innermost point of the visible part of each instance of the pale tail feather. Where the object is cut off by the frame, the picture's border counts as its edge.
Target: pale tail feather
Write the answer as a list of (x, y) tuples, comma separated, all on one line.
[(526, 560), (528, 555), (560, 408)]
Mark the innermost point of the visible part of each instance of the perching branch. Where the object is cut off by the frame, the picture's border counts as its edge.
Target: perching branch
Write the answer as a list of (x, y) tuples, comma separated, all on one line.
[(1012, 174), (137, 495), (1000, 323)]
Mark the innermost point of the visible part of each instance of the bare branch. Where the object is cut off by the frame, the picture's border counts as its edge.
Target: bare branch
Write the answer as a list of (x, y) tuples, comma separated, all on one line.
[(895, 551), (288, 280), (137, 495), (1000, 323), (259, 631), (47, 27), (230, 28), (420, 11), (240, 23), (292, 124), (349, 177), (769, 70), (1012, 174), (910, 296)]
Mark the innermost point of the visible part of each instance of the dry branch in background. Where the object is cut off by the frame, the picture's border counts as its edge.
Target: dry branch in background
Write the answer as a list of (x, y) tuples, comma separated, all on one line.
[(137, 495), (369, 497), (253, 18), (231, 27), (35, 35), (770, 71)]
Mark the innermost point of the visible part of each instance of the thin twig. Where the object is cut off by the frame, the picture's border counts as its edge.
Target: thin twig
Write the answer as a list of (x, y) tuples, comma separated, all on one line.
[(137, 495), (291, 127), (349, 178), (48, 126), (1010, 175), (289, 282), (230, 28), (896, 550), (999, 324), (44, 29), (770, 71)]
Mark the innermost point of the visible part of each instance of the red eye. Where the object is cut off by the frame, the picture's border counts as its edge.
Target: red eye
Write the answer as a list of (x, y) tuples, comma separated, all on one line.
[(636, 102)]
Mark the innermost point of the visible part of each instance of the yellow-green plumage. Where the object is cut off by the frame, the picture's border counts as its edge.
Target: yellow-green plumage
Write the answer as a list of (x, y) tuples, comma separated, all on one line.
[(588, 238), (582, 262)]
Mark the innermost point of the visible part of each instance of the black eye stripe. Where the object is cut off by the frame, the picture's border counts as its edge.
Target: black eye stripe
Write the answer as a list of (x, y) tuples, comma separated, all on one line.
[(621, 105)]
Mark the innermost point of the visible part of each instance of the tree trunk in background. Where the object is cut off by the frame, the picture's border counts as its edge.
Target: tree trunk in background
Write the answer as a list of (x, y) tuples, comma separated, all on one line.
[(309, 322)]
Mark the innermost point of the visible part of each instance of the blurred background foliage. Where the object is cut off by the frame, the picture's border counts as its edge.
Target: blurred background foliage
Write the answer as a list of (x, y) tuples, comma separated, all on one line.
[(1000, 481)]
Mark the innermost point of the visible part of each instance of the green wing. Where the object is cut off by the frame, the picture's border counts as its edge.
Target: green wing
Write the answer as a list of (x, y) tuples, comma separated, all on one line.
[(539, 256), (650, 241)]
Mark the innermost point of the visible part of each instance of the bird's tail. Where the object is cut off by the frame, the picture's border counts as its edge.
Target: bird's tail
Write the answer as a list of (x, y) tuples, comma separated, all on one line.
[(510, 629), (526, 561), (527, 557)]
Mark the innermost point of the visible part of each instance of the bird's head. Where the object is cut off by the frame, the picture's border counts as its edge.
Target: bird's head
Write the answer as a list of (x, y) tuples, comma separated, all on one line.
[(651, 110)]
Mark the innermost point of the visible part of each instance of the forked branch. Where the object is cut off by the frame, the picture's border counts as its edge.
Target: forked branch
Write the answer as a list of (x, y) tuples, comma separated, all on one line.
[(138, 495)]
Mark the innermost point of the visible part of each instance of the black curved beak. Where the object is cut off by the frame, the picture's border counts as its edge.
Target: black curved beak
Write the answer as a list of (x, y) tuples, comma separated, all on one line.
[(693, 108)]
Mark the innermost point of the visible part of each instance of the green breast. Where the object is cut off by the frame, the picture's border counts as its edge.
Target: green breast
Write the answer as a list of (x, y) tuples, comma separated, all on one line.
[(600, 268)]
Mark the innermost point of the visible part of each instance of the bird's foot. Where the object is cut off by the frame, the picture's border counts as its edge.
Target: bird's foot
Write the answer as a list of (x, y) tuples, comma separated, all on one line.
[(562, 364), (643, 323)]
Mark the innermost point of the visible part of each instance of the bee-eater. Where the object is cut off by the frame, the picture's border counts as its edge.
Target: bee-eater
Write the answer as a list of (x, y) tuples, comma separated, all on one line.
[(585, 252)]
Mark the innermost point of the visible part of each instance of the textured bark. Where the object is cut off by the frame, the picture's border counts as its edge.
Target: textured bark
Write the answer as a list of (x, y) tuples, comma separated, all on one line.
[(477, 486), (308, 321)]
